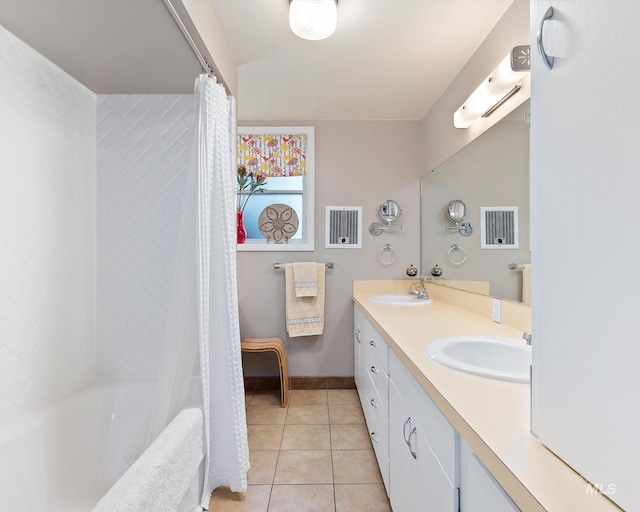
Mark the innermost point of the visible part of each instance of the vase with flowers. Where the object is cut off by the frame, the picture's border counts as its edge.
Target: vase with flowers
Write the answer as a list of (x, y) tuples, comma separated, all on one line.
[(249, 183)]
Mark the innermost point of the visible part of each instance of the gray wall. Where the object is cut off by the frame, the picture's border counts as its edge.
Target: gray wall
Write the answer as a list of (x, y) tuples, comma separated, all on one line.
[(358, 163), (440, 139)]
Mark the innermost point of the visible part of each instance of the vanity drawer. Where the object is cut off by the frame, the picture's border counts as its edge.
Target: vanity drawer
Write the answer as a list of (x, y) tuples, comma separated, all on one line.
[(378, 407), (378, 426), (441, 436), (379, 347), (379, 378)]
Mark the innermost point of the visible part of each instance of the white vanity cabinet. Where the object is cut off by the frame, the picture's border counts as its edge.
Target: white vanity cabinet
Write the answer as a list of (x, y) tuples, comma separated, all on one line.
[(425, 465), (423, 448), (479, 492), (359, 335), (372, 381)]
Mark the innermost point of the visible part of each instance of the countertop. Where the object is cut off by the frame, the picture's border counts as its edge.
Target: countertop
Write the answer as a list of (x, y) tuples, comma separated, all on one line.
[(491, 415)]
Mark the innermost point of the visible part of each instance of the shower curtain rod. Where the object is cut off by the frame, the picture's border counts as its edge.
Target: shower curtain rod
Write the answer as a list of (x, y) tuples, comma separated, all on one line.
[(206, 67)]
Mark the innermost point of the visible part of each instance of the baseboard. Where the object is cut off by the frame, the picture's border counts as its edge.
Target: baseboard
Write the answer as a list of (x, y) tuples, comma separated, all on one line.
[(266, 383)]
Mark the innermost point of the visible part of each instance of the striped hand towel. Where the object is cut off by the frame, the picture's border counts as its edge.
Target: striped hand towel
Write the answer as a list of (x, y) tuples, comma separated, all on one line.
[(304, 315), (526, 283), (305, 278)]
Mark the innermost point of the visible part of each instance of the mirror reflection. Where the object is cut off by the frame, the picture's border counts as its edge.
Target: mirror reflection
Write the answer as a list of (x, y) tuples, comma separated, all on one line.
[(492, 171), (456, 210)]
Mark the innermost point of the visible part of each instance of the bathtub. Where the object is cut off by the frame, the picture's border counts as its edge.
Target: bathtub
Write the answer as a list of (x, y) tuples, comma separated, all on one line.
[(64, 457)]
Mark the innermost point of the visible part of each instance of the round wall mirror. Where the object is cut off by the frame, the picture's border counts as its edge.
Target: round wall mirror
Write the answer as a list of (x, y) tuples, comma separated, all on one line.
[(457, 210), (389, 211)]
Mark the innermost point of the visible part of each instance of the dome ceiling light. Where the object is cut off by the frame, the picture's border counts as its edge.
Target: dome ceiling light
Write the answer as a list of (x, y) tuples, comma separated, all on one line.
[(313, 19)]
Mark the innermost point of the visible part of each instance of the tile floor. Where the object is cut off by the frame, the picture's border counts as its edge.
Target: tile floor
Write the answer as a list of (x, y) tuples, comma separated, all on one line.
[(314, 456)]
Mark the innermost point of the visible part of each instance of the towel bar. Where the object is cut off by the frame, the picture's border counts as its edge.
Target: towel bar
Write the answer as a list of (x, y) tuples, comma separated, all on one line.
[(277, 266)]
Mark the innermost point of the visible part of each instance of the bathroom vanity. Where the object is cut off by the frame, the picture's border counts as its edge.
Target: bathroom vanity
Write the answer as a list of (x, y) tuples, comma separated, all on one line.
[(447, 440)]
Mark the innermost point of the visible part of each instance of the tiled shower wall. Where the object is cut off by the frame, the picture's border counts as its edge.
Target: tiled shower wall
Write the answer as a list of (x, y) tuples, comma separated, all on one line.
[(143, 152), (47, 230)]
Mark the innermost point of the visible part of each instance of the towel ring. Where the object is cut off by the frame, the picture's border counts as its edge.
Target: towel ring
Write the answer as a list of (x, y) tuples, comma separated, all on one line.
[(456, 248), (391, 259)]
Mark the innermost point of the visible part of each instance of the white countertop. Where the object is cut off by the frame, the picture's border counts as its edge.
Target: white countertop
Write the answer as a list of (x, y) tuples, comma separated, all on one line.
[(491, 415)]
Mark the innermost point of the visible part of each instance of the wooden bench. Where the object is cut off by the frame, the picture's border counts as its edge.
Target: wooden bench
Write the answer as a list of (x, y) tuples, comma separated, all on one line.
[(272, 345)]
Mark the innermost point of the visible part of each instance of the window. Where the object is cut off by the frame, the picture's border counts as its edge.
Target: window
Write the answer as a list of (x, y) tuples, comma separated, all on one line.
[(285, 156)]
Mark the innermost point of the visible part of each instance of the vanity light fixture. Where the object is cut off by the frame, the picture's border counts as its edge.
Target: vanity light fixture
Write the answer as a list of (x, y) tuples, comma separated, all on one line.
[(503, 82), (313, 19)]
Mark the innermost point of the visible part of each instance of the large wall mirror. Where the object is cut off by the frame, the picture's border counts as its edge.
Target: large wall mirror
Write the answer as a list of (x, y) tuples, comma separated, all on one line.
[(490, 172)]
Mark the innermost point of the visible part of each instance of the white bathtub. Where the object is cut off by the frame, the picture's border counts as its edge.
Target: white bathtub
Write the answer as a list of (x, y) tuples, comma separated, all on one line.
[(64, 457)]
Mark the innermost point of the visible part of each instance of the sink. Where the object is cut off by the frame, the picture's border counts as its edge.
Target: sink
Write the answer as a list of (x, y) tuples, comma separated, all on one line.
[(399, 300), (487, 356)]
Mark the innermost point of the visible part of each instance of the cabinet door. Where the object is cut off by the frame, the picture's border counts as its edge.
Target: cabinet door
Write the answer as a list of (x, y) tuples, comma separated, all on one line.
[(434, 491), (402, 465), (584, 162), (479, 492)]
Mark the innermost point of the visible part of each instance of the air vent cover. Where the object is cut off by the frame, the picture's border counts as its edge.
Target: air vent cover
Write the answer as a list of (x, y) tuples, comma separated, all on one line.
[(343, 227), (499, 227)]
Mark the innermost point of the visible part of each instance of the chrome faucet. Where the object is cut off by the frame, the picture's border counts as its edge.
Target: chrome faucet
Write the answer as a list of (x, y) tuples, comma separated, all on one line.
[(419, 291), (527, 337)]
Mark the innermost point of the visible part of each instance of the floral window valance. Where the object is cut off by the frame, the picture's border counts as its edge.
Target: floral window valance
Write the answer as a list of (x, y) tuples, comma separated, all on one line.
[(273, 155)]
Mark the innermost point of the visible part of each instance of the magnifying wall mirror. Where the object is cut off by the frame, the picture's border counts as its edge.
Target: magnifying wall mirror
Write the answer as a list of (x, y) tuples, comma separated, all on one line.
[(389, 211), (457, 210)]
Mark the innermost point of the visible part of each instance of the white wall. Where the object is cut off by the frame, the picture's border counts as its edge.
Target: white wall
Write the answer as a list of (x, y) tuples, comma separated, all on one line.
[(358, 163), (440, 139), (47, 231), (143, 153)]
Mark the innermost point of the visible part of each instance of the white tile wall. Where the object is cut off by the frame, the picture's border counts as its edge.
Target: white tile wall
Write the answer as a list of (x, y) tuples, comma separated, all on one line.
[(143, 152), (47, 230)]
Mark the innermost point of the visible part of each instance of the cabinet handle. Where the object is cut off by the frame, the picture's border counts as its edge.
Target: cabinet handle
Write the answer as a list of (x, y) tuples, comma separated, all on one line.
[(373, 402), (374, 370), (374, 437), (412, 433), (358, 331), (404, 430), (373, 343), (545, 58)]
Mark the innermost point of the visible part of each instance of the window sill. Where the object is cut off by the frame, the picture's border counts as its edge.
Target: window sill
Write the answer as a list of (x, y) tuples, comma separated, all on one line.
[(260, 245)]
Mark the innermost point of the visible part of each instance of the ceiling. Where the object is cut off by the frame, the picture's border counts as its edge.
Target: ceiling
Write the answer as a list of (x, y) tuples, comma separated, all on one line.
[(388, 59), (110, 46)]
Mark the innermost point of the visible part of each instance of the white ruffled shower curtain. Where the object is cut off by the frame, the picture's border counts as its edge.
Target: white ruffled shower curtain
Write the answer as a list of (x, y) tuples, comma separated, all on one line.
[(220, 358), (203, 311)]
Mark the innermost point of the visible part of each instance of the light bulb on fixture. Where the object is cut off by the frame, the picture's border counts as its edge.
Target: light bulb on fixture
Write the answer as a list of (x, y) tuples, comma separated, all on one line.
[(313, 19), (498, 87)]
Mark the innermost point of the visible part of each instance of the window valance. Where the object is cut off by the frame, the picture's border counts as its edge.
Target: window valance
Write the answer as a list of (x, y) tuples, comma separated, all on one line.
[(273, 155)]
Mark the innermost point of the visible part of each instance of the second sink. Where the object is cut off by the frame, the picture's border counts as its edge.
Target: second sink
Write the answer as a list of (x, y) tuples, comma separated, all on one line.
[(399, 300), (498, 358)]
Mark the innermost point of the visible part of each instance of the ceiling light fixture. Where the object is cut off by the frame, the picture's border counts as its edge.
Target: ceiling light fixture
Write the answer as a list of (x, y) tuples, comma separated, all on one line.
[(313, 19), (498, 87)]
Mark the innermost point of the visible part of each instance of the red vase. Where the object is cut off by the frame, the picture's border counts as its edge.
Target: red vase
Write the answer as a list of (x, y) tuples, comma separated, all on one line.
[(242, 234)]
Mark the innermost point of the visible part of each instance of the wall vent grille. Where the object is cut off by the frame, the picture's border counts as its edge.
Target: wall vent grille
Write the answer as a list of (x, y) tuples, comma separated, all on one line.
[(499, 227), (343, 227)]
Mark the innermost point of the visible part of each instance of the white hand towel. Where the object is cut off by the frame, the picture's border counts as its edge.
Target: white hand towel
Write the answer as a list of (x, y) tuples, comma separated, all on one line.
[(305, 277), (304, 315), (526, 283), (158, 480)]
